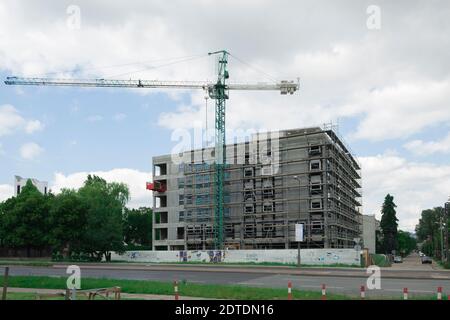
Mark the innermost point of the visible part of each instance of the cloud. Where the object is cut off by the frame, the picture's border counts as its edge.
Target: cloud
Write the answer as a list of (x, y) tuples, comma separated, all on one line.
[(135, 180), (415, 186), (6, 191), (346, 70), (401, 110), (11, 121), (30, 151), (33, 126), (120, 116), (94, 118), (423, 148)]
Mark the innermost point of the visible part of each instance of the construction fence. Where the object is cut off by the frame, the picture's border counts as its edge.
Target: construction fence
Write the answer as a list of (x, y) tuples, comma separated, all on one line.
[(283, 256)]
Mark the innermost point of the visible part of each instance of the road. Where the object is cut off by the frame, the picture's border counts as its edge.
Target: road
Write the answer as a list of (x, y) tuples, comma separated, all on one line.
[(420, 280)]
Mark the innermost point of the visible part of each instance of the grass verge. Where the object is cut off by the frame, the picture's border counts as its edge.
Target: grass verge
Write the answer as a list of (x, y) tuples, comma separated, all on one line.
[(166, 288), (25, 262)]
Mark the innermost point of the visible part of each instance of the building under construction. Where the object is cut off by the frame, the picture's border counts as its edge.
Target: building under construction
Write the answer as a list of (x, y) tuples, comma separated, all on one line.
[(272, 181)]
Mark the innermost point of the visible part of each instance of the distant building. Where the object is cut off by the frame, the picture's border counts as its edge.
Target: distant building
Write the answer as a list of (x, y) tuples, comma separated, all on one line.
[(20, 182), (369, 225)]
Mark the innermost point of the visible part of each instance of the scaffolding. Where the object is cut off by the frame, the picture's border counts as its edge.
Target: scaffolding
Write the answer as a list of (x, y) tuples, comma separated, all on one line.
[(262, 205)]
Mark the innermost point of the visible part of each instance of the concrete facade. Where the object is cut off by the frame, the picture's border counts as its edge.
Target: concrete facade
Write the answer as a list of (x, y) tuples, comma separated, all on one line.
[(20, 182), (272, 182), (369, 226)]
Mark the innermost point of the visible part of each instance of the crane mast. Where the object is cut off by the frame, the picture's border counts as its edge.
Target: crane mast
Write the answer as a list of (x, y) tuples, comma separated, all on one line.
[(218, 91)]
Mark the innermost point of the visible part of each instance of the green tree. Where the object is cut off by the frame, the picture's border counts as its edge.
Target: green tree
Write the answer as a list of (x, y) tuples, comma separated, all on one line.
[(389, 224), (104, 203), (68, 218), (406, 242), (428, 231), (138, 227), (26, 220)]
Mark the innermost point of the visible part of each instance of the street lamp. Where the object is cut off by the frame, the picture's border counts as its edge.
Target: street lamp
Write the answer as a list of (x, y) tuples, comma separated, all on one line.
[(299, 196)]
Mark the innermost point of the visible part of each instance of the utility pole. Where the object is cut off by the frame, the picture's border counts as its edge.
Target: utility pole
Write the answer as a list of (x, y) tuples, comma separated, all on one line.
[(447, 215), (442, 234)]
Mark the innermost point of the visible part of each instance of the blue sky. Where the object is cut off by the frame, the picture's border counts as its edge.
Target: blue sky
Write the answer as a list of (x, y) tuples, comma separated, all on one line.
[(389, 90)]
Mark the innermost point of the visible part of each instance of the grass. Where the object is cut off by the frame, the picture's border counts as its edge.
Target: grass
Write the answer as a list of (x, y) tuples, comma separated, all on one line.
[(166, 288), (185, 289), (26, 262), (380, 260)]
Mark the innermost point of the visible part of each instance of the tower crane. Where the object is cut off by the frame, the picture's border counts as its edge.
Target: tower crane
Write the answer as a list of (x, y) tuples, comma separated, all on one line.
[(219, 91)]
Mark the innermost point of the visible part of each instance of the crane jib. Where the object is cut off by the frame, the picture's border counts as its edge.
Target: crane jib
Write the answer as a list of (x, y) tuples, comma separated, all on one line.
[(218, 91)]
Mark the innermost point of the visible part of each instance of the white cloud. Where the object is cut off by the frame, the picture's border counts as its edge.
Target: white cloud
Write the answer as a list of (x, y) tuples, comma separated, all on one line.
[(30, 151), (6, 191), (135, 180), (346, 69), (415, 186), (94, 118), (33, 126), (401, 110), (120, 116), (423, 148), (11, 121)]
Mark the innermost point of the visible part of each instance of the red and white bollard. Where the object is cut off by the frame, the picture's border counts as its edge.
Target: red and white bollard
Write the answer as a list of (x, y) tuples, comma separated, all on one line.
[(324, 292), (289, 290), (405, 293), (363, 292), (175, 289), (439, 293)]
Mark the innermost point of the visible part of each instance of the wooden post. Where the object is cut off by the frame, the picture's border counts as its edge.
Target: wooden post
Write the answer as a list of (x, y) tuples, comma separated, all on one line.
[(175, 289), (324, 292), (289, 290), (5, 283), (405, 293), (363, 292)]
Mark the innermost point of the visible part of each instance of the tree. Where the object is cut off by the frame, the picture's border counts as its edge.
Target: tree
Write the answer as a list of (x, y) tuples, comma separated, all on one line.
[(104, 203), (68, 219), (26, 220), (428, 231), (389, 224), (138, 226), (406, 242)]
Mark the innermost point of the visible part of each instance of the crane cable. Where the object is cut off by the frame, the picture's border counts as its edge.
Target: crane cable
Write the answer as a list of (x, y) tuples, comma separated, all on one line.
[(158, 66), (73, 71), (257, 69)]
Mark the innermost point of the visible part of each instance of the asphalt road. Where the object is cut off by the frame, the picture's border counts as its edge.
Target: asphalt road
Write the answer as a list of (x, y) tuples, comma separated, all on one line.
[(349, 285)]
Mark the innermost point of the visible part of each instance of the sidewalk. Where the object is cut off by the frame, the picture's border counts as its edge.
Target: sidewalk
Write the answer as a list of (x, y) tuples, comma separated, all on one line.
[(137, 296)]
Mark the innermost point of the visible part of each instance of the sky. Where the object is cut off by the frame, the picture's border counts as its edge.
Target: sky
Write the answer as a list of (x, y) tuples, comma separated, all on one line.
[(379, 69)]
